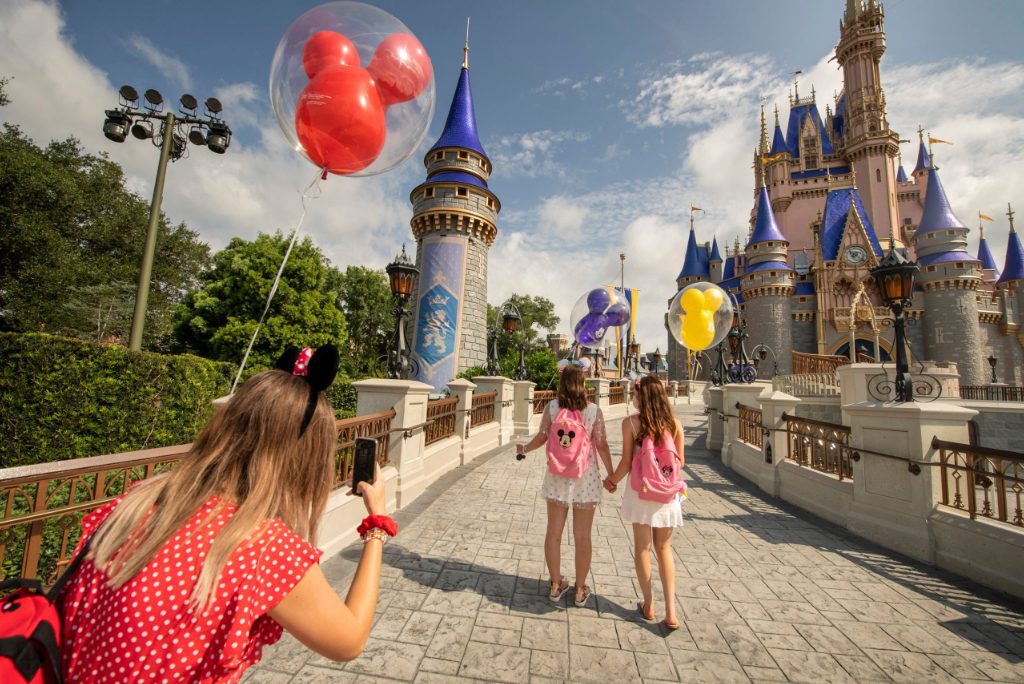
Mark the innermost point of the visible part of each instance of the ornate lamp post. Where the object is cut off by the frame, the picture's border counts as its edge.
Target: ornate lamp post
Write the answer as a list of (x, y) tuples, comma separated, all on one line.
[(761, 352), (895, 277), (509, 320), (402, 276), (656, 360), (172, 135), (992, 361)]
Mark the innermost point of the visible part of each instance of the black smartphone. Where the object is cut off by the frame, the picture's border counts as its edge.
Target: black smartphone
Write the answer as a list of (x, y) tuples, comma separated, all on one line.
[(363, 462)]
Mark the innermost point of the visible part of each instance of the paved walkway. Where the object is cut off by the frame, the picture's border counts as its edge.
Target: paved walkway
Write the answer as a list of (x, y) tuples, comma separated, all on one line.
[(767, 593)]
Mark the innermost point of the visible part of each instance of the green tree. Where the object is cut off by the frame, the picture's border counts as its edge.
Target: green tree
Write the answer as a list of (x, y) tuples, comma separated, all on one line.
[(4, 100), (71, 240), (538, 313), (218, 320), (365, 299)]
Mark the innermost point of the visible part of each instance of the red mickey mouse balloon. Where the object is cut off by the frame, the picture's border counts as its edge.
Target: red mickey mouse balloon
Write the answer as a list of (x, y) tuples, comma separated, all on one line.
[(340, 120), (401, 68), (326, 49)]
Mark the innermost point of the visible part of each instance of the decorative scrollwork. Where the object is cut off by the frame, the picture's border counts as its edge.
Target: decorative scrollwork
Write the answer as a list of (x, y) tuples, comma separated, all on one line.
[(926, 387)]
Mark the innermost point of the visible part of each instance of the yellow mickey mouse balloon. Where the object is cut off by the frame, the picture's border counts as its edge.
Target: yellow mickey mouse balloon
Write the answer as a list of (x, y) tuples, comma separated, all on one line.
[(700, 316)]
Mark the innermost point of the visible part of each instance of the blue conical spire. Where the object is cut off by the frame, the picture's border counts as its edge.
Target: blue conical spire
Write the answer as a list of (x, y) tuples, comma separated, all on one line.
[(765, 227), (985, 254), (715, 255), (924, 161), (901, 175), (691, 264), (938, 215), (460, 128), (1013, 268), (778, 141)]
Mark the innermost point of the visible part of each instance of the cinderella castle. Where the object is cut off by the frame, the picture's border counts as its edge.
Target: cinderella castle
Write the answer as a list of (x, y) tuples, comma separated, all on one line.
[(829, 196)]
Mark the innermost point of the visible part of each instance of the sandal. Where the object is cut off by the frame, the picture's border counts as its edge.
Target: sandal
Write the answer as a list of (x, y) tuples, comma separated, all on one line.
[(558, 590), (586, 595), (642, 609)]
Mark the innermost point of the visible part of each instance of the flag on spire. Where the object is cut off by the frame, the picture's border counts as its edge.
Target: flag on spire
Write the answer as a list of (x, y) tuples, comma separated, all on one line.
[(984, 217), (932, 141)]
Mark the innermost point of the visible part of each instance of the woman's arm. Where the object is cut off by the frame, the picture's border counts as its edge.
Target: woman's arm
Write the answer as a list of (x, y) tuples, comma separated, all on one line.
[(678, 438), (627, 452), (540, 437), (601, 442), (313, 612)]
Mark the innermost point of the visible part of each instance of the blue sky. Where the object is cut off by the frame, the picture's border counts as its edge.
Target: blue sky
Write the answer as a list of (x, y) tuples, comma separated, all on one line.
[(604, 121)]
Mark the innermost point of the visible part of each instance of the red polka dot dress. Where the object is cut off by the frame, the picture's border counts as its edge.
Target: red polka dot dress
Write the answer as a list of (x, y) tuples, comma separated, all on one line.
[(145, 632)]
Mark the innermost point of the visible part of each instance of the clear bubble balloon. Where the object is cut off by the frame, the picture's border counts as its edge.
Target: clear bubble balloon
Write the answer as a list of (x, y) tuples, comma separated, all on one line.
[(599, 313), (700, 316), (352, 89)]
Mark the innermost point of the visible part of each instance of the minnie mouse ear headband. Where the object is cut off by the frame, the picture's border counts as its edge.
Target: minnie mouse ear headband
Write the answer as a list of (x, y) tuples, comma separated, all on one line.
[(583, 363), (318, 368)]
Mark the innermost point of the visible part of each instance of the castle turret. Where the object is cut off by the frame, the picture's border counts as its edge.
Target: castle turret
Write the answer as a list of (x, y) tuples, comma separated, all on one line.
[(767, 285), (950, 276), (695, 264), (990, 272), (716, 265), (1008, 289), (869, 144), (454, 223), (924, 162)]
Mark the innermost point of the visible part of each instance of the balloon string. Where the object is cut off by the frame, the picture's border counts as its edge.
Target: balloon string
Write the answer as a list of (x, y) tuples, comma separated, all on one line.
[(311, 192)]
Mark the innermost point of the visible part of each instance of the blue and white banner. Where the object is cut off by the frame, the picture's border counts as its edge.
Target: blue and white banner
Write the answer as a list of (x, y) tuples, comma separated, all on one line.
[(439, 310)]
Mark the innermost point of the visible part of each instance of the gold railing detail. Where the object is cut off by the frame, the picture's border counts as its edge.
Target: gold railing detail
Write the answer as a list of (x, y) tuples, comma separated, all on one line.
[(751, 429), (441, 419), (541, 399), (817, 363), (992, 392), (807, 384), (617, 395), (376, 425), (819, 445), (483, 408), (972, 472)]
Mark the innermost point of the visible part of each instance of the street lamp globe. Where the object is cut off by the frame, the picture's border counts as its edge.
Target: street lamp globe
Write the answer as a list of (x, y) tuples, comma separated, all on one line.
[(402, 277)]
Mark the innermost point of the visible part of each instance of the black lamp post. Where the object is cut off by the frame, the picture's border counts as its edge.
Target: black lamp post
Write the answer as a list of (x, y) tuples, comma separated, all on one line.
[(992, 361), (509, 320), (402, 276), (172, 135), (895, 277), (656, 360), (634, 356)]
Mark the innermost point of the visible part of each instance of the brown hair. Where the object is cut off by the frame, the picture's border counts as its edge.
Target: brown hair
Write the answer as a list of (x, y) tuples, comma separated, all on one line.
[(251, 454), (655, 411), (572, 389)]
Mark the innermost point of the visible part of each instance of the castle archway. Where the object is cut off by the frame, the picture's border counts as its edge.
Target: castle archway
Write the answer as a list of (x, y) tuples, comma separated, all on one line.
[(864, 346)]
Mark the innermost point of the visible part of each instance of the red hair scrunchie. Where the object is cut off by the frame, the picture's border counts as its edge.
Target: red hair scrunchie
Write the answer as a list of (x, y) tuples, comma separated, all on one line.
[(381, 522)]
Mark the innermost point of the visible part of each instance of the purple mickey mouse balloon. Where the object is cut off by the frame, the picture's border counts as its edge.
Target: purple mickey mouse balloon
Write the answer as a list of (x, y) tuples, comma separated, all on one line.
[(598, 312)]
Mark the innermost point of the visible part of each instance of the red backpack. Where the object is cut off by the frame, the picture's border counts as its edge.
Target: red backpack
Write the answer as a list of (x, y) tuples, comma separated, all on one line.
[(30, 629), (568, 445), (657, 474)]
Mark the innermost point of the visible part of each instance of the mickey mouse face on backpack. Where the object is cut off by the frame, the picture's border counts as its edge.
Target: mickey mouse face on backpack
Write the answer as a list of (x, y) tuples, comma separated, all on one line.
[(565, 438), (666, 471)]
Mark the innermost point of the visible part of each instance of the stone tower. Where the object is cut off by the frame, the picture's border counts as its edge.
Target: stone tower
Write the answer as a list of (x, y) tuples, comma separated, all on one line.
[(870, 146), (454, 223), (950, 278), (767, 285)]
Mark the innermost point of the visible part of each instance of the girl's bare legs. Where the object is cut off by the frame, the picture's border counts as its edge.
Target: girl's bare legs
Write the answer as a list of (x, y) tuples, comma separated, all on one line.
[(642, 560), (582, 522), (667, 570), (557, 513)]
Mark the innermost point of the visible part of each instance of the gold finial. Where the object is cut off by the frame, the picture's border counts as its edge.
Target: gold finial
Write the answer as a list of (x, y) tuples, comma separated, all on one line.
[(920, 133), (1009, 214), (813, 94), (465, 50), (776, 116), (764, 131)]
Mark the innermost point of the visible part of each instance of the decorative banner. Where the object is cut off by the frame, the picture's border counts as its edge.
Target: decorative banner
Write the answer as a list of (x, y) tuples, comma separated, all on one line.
[(439, 310), (622, 348)]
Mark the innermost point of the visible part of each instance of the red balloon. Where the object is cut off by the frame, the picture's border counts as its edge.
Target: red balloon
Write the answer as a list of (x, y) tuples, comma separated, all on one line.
[(401, 68), (326, 50), (340, 120)]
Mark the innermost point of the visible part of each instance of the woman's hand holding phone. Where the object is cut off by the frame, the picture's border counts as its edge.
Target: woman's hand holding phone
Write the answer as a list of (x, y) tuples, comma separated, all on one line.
[(374, 497)]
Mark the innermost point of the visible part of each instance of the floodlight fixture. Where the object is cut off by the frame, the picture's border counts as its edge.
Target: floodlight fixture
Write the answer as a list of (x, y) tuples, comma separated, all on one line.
[(188, 102), (213, 105), (219, 137), (116, 125), (154, 97), (128, 94), (196, 137), (143, 130)]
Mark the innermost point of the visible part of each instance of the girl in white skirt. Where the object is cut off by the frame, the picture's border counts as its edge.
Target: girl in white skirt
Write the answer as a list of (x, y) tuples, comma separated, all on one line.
[(652, 521), (583, 493)]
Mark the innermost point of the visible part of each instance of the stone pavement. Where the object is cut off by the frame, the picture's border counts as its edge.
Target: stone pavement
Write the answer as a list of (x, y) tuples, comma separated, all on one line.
[(767, 593)]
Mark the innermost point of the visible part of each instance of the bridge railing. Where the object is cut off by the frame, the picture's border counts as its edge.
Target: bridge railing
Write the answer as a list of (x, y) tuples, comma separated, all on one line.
[(992, 392), (751, 430), (804, 363), (819, 445), (807, 384), (983, 482)]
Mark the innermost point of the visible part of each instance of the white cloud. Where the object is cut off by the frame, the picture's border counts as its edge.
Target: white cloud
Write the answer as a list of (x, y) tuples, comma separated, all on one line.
[(252, 188), (532, 154), (561, 220), (171, 67)]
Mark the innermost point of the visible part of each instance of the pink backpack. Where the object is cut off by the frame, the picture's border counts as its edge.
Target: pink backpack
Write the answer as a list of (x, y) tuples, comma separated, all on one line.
[(568, 445), (657, 474)]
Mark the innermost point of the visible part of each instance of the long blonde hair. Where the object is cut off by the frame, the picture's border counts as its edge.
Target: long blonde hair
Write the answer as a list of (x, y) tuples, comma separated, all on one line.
[(655, 412), (251, 454)]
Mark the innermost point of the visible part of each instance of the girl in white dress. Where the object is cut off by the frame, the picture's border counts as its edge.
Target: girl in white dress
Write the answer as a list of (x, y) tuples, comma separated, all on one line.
[(583, 493), (652, 521)]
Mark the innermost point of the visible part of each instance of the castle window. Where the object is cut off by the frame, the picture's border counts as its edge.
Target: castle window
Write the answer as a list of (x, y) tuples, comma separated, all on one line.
[(878, 175), (802, 300), (490, 203), (463, 155), (428, 193), (959, 265), (461, 192), (810, 153), (438, 156), (931, 269)]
